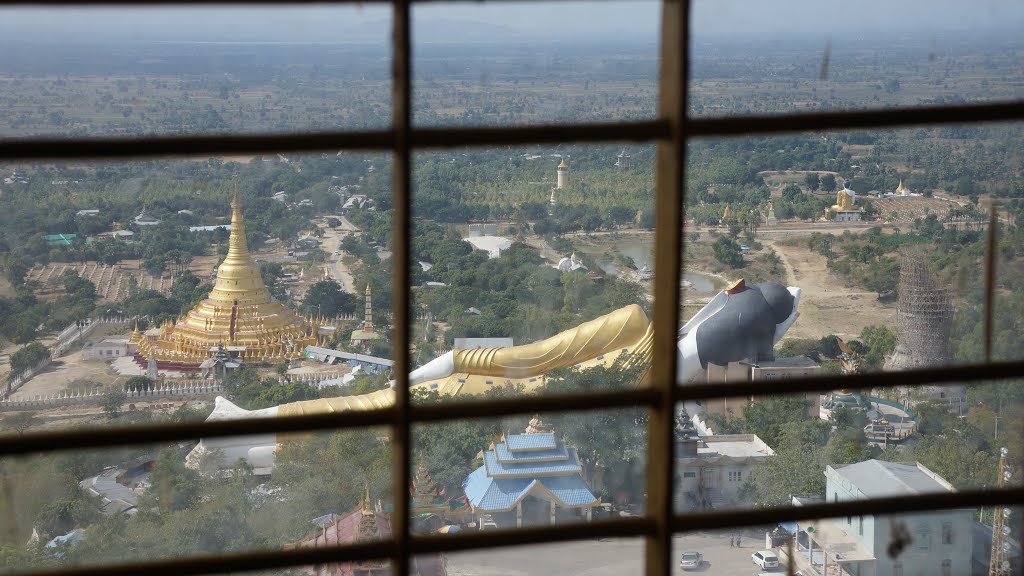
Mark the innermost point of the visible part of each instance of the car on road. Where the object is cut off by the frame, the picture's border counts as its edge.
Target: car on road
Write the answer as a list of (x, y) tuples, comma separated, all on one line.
[(766, 559), (691, 560)]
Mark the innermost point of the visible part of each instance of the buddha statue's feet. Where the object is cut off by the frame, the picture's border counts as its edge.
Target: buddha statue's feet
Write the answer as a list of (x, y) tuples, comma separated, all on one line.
[(257, 449)]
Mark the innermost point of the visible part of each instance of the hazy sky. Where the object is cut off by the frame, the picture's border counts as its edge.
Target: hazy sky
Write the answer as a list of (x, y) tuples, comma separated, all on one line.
[(526, 21)]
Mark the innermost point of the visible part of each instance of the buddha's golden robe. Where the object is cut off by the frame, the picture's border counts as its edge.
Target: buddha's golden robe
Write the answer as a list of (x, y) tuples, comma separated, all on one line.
[(626, 330), (843, 203), (619, 330)]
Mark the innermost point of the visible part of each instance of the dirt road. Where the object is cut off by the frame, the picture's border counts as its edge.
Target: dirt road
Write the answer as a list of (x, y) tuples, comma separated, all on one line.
[(331, 244), (826, 305)]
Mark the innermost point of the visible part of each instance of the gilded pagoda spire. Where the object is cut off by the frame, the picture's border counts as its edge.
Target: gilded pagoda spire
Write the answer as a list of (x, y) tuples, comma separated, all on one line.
[(422, 483), (236, 241), (239, 312)]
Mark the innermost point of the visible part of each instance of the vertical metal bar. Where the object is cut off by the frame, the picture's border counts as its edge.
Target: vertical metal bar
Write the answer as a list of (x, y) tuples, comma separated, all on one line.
[(667, 258), (990, 281), (401, 98)]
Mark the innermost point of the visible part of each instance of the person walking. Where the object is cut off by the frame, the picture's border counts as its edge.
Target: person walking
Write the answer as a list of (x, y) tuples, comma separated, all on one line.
[(732, 541), (737, 540)]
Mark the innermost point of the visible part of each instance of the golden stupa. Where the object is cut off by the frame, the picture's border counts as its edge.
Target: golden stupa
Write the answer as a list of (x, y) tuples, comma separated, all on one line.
[(239, 317)]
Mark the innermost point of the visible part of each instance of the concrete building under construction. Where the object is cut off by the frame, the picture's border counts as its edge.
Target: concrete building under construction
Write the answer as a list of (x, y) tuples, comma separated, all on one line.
[(924, 317)]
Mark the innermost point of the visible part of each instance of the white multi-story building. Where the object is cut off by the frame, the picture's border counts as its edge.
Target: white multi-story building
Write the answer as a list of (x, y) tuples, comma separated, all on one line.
[(109, 348), (713, 469), (934, 543)]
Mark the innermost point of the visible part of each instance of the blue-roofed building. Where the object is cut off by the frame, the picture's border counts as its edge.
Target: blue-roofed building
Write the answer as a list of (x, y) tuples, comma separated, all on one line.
[(531, 476)]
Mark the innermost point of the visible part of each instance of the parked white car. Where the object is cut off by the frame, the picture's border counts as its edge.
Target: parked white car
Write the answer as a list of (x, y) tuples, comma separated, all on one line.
[(691, 561), (766, 559)]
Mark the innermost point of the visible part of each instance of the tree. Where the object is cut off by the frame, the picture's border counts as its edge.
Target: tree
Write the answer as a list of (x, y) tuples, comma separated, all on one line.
[(795, 347), (828, 183), (770, 416), (175, 486), (796, 469), (112, 401), (138, 384), (880, 341), (20, 421), (727, 252), (28, 357), (63, 515), (79, 289), (792, 192), (829, 346), (327, 299), (813, 181), (882, 276)]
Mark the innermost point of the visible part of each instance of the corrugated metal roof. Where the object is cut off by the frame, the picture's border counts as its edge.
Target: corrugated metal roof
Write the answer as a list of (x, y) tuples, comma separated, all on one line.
[(497, 469), (517, 442), (348, 356), (571, 490), (507, 456), (879, 478), (115, 497), (497, 494)]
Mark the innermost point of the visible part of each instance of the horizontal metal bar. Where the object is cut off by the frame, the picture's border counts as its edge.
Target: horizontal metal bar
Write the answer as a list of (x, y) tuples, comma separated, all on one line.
[(615, 528), (852, 120), (263, 560), (232, 562), (636, 131), (886, 506), (145, 3), (79, 438), (51, 441), (618, 528), (130, 435), (425, 138), (186, 146), (433, 138), (916, 377), (638, 398)]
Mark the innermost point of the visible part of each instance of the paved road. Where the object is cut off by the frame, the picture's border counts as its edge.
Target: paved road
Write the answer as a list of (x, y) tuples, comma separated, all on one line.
[(604, 558)]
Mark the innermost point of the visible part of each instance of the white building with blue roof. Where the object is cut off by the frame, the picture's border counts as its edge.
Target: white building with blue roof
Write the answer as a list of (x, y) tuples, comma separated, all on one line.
[(532, 475)]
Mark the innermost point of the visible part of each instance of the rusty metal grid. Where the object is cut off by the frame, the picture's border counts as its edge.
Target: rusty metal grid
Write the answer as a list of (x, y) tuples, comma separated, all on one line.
[(672, 129)]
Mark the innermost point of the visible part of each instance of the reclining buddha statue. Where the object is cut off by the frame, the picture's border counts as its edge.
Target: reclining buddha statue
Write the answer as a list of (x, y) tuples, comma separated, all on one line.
[(741, 322)]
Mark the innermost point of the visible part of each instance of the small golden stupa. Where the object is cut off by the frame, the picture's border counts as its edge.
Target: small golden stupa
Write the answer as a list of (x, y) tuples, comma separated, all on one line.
[(239, 317)]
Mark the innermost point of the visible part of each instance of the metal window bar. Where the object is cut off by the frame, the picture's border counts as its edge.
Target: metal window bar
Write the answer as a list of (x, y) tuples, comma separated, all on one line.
[(672, 130)]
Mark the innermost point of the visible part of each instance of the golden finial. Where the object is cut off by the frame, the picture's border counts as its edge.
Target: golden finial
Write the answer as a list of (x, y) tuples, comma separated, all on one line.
[(367, 506)]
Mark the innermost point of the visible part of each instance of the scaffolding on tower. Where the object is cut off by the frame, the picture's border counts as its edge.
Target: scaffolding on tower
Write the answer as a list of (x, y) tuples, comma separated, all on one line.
[(998, 560)]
